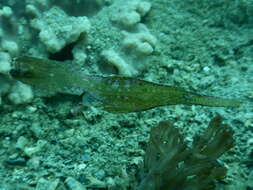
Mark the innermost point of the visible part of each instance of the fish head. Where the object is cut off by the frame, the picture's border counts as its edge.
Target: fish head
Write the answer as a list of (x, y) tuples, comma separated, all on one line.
[(38, 73), (46, 75), (27, 69), (18, 72)]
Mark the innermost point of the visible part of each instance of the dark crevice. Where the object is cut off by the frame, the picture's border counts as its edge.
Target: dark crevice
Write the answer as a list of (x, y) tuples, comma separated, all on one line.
[(79, 8), (64, 54)]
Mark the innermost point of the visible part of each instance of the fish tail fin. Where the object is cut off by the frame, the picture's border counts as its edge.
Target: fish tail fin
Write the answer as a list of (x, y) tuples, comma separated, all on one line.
[(212, 101)]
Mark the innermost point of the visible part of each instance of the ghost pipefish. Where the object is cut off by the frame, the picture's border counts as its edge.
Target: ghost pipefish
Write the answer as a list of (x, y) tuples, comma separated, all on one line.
[(114, 94)]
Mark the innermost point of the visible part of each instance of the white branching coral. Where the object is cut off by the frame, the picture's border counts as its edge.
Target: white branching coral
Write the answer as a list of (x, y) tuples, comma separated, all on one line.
[(5, 62), (20, 93), (6, 11), (142, 42), (112, 58), (8, 44), (131, 14), (57, 29), (137, 40)]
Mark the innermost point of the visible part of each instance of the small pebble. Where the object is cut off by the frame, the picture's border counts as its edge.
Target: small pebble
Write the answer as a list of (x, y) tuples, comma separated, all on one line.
[(206, 69), (86, 157), (31, 109), (34, 162), (100, 174), (6, 11), (29, 151), (37, 130), (73, 184), (21, 142), (44, 184)]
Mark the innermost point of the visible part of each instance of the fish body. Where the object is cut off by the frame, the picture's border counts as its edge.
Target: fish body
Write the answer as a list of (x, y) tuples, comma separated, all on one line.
[(114, 94)]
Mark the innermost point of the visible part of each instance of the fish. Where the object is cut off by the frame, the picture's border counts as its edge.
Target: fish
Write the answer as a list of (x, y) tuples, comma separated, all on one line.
[(115, 94)]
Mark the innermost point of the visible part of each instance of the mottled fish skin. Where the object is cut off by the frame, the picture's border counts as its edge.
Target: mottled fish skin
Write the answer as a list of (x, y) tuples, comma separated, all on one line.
[(114, 94)]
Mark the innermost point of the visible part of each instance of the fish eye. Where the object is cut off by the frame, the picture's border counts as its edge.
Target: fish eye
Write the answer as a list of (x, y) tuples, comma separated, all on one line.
[(20, 73)]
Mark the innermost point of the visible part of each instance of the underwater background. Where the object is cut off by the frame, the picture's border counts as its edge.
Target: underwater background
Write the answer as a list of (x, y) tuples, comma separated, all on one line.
[(53, 141)]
